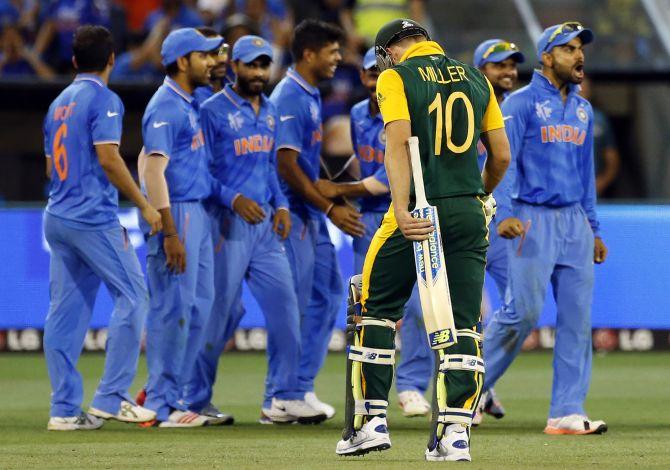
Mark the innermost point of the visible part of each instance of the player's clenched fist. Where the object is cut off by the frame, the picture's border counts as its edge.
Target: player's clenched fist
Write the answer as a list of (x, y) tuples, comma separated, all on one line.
[(248, 209), (412, 228), (510, 228), (153, 218), (347, 219), (175, 254)]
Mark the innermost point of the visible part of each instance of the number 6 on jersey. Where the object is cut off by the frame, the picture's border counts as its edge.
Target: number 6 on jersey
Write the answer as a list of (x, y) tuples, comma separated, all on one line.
[(431, 271)]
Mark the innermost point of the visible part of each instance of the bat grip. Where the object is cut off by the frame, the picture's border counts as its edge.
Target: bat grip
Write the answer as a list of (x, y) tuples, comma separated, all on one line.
[(417, 173)]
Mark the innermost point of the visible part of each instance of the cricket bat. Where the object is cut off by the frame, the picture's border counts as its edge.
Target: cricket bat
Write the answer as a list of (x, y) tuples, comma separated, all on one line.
[(431, 271)]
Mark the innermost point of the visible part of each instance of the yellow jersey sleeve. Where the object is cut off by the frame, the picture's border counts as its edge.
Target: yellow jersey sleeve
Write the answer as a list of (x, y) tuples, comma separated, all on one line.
[(493, 118), (391, 97)]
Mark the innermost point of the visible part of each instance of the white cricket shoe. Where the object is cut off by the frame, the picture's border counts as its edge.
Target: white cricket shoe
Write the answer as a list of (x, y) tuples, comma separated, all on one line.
[(128, 413), (288, 411), (313, 401), (83, 422), (413, 404), (454, 446), (574, 424), (374, 435), (184, 419)]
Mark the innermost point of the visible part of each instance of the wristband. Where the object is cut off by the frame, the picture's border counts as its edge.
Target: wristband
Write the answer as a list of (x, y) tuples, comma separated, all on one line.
[(330, 208), (170, 235)]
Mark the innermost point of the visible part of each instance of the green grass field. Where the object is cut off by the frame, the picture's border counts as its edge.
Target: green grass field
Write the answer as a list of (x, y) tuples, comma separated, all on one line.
[(629, 390)]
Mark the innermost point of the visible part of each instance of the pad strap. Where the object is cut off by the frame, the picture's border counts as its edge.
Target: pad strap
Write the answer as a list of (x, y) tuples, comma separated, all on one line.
[(466, 332), (461, 362), (385, 357), (371, 321), (371, 407), (455, 415)]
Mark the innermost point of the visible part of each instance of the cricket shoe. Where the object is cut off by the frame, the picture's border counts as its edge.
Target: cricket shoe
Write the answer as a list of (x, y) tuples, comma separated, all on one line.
[(83, 422), (184, 419), (413, 404), (128, 413), (288, 411), (216, 417), (574, 424), (454, 446), (312, 400), (492, 405), (374, 435), (489, 404)]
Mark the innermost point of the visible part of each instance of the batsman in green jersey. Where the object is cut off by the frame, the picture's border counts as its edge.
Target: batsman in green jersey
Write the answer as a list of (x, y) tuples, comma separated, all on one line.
[(448, 105)]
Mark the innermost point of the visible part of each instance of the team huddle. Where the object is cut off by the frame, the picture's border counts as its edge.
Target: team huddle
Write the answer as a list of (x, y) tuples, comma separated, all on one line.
[(230, 191)]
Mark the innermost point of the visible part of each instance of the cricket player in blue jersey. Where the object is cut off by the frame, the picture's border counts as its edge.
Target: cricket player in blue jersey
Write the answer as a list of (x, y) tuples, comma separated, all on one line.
[(82, 133), (547, 206), (369, 141), (240, 127), (218, 77), (498, 60), (316, 274), (174, 172)]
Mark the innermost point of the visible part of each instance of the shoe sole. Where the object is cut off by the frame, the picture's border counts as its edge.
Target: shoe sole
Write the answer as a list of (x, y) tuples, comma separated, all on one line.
[(415, 415), (567, 432), (495, 415), (221, 421), (359, 452), (318, 419), (168, 425), (70, 427)]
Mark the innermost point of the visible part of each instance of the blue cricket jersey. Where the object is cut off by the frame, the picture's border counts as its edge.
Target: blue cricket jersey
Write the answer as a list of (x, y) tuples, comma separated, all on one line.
[(369, 141), (242, 147), (299, 128), (171, 127), (552, 149), (85, 114)]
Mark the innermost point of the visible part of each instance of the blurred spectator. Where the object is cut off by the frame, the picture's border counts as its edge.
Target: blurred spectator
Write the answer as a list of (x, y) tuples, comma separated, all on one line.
[(212, 10), (236, 26), (60, 19), (142, 62), (272, 17), (605, 152), (19, 60), (137, 12), (22, 13), (180, 15), (370, 15)]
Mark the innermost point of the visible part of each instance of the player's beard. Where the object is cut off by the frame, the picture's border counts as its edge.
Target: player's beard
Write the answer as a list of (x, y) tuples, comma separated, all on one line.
[(570, 74), (252, 87)]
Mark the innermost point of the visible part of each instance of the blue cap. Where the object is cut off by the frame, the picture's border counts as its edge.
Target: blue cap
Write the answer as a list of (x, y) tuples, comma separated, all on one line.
[(495, 57), (370, 59), (249, 48), (181, 42), (574, 30)]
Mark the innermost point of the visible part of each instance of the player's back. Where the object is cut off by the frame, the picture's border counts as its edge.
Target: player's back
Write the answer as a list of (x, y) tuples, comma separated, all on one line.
[(447, 103), (86, 113)]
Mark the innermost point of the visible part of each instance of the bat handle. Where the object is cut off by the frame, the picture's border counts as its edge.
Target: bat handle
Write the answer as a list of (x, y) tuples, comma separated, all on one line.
[(417, 173)]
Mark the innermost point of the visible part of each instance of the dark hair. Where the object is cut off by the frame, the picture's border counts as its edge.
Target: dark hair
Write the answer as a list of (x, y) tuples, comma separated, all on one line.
[(92, 46), (314, 35), (207, 31)]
